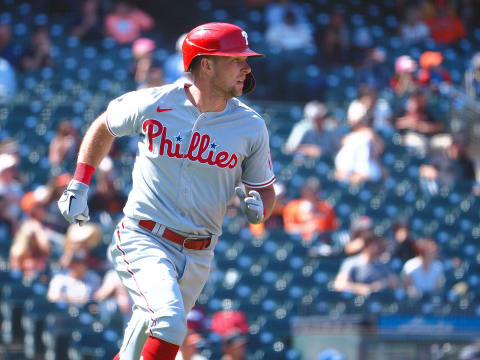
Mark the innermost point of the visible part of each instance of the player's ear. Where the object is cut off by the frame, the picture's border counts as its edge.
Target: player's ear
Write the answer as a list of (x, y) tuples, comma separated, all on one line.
[(206, 63)]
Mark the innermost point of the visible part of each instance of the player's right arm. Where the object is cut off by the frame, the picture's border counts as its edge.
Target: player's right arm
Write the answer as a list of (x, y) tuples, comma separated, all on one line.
[(96, 143), (120, 119), (94, 147)]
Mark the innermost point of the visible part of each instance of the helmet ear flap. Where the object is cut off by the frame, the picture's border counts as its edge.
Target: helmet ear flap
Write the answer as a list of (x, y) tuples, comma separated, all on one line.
[(248, 84)]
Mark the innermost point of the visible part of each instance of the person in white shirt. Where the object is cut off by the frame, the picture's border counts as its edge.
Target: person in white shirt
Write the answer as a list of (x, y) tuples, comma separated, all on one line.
[(424, 273), (315, 134), (290, 34), (75, 286), (414, 30), (358, 158)]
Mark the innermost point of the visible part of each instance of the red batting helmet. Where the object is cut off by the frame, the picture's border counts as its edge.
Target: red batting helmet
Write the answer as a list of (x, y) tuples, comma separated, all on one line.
[(220, 39)]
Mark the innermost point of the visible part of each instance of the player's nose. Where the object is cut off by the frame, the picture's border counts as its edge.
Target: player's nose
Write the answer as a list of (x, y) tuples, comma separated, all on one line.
[(246, 68)]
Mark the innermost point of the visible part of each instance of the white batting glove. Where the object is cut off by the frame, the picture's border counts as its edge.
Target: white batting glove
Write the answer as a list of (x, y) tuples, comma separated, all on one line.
[(73, 203), (252, 205)]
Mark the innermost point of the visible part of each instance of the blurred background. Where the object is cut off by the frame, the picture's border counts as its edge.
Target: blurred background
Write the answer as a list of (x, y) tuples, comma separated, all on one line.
[(372, 251)]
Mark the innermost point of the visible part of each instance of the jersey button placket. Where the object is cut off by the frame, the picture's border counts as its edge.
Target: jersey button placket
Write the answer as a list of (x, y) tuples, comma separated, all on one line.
[(184, 192)]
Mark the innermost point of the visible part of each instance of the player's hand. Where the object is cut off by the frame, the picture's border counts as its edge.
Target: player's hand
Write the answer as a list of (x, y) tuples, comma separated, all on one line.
[(252, 205), (73, 203)]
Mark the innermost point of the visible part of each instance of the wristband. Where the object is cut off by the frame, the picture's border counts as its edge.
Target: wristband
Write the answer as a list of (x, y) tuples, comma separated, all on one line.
[(83, 173), (264, 213)]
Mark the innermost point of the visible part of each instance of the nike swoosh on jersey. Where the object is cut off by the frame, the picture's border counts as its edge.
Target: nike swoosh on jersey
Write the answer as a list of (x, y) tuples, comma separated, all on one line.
[(162, 110)]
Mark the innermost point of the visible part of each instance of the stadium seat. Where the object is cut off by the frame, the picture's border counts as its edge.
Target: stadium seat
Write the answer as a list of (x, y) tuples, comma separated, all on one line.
[(58, 330), (33, 322), (94, 343), (12, 306)]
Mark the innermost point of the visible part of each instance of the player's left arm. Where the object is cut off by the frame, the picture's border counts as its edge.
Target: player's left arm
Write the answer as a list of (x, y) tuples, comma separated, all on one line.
[(258, 199), (268, 198)]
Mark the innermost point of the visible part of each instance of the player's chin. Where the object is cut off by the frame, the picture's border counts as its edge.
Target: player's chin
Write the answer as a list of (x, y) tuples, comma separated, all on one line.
[(238, 89)]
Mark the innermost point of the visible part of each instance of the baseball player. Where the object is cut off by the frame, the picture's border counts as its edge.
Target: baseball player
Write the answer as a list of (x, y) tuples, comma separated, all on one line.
[(196, 143)]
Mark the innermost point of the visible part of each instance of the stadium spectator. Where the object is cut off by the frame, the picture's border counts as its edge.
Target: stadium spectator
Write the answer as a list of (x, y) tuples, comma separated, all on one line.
[(126, 22), (358, 159), (8, 81), (334, 40), (417, 124), (289, 34), (293, 38), (47, 196), (38, 53), (309, 216), (189, 348), (446, 27), (414, 30), (472, 77), (35, 205), (9, 146), (431, 72), (348, 242), (75, 285), (423, 274), (314, 135), (63, 147), (234, 346), (224, 322), (417, 117), (378, 110), (88, 24), (81, 239), (364, 273), (275, 12), (10, 186), (173, 65), (361, 229), (154, 77), (362, 44), (30, 250), (403, 81), (7, 48), (373, 71), (142, 51), (448, 162), (404, 247), (197, 319), (8, 224)]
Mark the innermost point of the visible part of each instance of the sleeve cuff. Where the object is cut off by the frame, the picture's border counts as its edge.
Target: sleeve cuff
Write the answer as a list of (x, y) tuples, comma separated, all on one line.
[(108, 125), (259, 185)]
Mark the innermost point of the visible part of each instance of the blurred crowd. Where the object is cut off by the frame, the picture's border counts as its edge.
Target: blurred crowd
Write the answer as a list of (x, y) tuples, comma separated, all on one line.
[(390, 99)]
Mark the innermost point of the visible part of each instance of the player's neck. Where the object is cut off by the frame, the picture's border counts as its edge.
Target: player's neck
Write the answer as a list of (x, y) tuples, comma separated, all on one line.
[(205, 100)]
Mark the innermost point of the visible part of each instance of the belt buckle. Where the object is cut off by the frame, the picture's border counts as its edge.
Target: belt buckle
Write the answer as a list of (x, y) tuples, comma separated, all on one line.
[(196, 239), (185, 240)]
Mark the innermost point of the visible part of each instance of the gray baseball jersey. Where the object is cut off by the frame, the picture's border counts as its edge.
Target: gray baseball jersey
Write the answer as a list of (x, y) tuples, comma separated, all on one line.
[(188, 163)]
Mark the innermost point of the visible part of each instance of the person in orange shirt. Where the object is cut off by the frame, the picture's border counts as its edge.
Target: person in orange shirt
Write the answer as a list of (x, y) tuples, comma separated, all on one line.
[(309, 216), (445, 27)]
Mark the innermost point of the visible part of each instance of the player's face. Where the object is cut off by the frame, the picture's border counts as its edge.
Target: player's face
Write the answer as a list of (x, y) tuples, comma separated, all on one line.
[(229, 75)]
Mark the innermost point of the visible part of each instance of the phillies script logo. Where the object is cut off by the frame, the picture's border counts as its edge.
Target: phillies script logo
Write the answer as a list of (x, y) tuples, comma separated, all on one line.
[(197, 150)]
